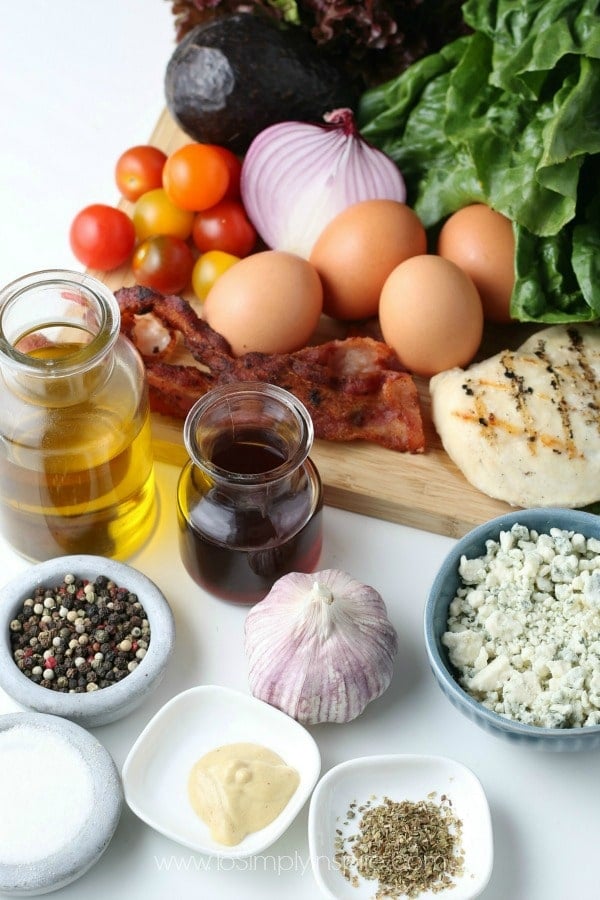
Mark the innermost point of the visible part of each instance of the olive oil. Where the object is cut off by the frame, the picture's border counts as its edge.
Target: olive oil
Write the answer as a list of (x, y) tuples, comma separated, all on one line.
[(76, 465), (82, 483)]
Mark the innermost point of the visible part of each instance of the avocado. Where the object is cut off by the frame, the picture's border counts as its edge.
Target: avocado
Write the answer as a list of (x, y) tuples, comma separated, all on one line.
[(233, 76)]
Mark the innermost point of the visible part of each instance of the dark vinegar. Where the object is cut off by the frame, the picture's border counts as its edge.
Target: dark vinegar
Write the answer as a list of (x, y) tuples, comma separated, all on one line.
[(246, 457), (246, 576), (237, 545)]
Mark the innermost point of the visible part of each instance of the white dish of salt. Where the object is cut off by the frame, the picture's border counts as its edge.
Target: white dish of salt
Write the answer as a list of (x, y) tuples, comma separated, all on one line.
[(81, 786)]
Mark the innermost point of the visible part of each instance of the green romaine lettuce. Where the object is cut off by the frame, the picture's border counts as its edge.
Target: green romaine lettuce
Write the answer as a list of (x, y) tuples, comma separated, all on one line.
[(532, 37)]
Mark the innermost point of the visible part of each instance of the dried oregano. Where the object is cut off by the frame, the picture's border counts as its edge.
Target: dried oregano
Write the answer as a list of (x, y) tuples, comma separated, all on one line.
[(406, 847)]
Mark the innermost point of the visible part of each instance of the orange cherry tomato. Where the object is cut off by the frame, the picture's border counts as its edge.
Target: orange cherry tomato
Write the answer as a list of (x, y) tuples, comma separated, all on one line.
[(139, 169), (196, 176)]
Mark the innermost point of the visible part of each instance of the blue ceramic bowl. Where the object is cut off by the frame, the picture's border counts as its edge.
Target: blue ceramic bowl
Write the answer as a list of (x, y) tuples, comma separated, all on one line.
[(443, 591)]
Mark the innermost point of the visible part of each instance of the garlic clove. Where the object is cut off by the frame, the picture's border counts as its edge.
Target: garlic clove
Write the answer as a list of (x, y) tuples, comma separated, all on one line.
[(320, 646)]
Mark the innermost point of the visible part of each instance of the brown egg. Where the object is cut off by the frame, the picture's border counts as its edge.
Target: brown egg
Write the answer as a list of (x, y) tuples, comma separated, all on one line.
[(357, 251), (431, 315), (481, 241), (269, 302)]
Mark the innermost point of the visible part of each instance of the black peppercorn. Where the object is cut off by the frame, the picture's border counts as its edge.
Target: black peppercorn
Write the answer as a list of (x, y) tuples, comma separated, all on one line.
[(66, 633)]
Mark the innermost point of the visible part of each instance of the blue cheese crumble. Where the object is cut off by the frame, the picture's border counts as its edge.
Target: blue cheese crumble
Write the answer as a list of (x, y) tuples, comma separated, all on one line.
[(524, 627)]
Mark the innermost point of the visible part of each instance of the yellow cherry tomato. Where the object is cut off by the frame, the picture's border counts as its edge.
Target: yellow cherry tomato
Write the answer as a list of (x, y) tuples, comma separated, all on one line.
[(154, 214), (208, 268)]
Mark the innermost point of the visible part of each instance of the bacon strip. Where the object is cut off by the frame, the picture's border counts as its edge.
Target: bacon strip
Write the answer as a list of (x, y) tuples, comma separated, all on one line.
[(354, 389)]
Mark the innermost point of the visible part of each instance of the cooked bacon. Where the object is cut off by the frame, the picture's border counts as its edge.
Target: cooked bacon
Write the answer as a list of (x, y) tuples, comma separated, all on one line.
[(354, 389), (176, 314), (174, 389)]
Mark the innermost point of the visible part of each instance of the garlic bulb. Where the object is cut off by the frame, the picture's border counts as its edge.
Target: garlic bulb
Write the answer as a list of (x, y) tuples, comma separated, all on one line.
[(320, 647)]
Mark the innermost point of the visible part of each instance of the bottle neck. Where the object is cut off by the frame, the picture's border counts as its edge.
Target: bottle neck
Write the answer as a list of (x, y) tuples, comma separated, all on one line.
[(249, 438), (57, 333)]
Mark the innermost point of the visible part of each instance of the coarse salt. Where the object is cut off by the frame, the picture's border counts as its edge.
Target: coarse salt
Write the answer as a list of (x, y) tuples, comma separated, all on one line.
[(46, 794)]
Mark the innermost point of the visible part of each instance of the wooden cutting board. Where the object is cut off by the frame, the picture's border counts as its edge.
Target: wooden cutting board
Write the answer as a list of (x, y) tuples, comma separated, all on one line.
[(424, 491)]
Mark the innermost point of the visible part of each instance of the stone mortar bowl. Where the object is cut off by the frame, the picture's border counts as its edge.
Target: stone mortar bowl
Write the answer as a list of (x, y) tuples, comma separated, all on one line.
[(42, 874), (108, 703)]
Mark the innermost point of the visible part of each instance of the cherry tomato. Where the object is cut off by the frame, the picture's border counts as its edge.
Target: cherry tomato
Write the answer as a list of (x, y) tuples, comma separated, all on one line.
[(234, 167), (225, 226), (208, 268), (154, 213), (196, 176), (102, 237), (163, 263), (139, 169)]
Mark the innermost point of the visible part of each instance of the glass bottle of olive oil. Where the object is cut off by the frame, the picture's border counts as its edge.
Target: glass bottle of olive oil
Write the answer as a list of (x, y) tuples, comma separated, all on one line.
[(76, 467)]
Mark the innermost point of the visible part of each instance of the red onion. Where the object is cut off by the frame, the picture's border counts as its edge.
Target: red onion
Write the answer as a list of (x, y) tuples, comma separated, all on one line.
[(297, 176)]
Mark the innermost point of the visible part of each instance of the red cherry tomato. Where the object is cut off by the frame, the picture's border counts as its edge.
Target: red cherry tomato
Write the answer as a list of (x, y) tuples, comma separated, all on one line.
[(224, 226), (163, 263), (139, 169), (196, 176), (102, 237), (234, 167)]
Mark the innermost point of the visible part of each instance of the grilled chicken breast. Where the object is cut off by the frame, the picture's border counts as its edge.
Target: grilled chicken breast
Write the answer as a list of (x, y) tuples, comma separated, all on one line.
[(524, 426)]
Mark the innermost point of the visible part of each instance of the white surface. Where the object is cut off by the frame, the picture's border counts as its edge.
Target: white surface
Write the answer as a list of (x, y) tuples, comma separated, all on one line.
[(196, 721), (372, 779), (80, 82)]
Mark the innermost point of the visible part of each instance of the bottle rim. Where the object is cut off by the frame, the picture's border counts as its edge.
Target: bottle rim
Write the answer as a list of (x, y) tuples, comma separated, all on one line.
[(105, 336), (256, 390)]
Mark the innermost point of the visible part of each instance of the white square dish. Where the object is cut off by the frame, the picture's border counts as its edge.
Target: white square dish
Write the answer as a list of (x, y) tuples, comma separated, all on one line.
[(155, 773), (399, 777)]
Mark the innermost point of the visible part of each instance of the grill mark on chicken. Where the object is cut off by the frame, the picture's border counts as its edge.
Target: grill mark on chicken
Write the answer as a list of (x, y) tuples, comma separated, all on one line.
[(539, 443), (481, 391), (559, 399), (590, 388), (520, 391), (576, 377)]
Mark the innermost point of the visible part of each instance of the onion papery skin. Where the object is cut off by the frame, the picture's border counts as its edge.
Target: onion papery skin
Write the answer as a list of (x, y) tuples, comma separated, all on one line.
[(297, 176)]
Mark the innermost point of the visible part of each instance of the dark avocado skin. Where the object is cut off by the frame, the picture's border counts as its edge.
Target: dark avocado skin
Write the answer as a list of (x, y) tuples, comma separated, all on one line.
[(232, 77)]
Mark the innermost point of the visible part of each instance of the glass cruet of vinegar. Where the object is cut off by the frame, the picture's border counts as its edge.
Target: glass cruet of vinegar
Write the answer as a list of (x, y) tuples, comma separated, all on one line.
[(249, 499), (76, 466)]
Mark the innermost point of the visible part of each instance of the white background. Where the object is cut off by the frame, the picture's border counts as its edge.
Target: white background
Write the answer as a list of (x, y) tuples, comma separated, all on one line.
[(79, 82)]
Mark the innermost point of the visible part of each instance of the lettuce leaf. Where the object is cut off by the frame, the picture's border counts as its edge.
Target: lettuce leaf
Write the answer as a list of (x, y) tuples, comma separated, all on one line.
[(509, 116), (531, 38)]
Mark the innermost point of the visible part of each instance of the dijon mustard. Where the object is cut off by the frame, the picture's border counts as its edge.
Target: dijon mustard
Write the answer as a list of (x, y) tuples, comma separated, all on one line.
[(238, 789)]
